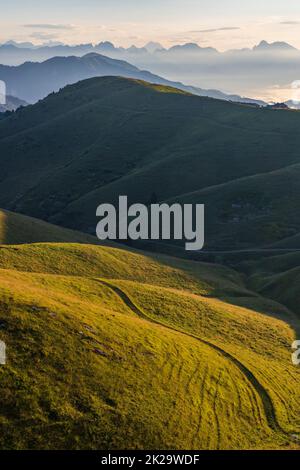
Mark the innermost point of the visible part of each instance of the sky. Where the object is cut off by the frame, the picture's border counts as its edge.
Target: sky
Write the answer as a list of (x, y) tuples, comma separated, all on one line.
[(223, 24)]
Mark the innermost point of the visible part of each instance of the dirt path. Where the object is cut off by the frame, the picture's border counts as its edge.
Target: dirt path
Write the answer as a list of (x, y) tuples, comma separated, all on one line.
[(266, 400)]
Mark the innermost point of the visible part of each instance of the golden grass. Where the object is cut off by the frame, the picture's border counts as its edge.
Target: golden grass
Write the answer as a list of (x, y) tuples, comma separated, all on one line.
[(86, 371)]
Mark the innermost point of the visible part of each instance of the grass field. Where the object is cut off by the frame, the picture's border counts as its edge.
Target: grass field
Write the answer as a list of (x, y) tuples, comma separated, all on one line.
[(113, 348), (18, 229)]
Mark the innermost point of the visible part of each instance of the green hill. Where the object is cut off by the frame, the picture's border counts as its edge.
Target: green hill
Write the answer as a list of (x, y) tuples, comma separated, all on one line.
[(253, 210), (109, 347), (278, 277), (17, 229), (289, 243), (111, 136), (113, 348)]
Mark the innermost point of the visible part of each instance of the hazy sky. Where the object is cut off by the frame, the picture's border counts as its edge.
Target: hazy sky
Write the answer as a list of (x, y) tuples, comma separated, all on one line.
[(220, 23)]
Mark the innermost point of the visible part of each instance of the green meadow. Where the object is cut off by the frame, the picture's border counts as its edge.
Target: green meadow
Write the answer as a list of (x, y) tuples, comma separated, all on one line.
[(112, 348)]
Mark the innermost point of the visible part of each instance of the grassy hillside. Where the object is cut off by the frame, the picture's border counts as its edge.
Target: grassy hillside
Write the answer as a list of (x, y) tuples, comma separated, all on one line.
[(255, 210), (278, 277), (110, 136), (118, 263), (110, 348), (289, 243), (17, 229)]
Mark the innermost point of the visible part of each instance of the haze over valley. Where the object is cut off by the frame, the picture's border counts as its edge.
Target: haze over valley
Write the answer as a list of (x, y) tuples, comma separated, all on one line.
[(265, 71)]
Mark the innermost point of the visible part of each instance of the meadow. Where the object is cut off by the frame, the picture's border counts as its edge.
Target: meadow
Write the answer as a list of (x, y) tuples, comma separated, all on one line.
[(112, 348)]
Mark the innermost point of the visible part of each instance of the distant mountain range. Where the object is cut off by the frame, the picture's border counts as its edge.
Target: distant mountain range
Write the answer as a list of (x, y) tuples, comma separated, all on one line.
[(33, 81), (264, 46), (258, 72), (13, 52), (103, 137)]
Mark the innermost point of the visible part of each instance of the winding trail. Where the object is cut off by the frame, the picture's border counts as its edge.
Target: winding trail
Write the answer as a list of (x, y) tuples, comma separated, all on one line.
[(266, 400)]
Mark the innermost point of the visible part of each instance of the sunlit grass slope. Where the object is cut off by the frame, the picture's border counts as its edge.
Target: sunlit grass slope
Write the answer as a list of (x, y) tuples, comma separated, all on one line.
[(84, 372), (16, 229), (119, 263), (261, 342), (110, 348)]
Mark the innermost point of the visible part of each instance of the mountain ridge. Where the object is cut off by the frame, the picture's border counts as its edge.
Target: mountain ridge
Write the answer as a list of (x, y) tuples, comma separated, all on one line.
[(150, 47), (236, 71), (32, 81), (12, 103), (134, 138)]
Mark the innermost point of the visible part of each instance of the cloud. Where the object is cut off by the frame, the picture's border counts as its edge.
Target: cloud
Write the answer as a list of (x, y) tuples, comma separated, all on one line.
[(213, 30), (49, 26), (43, 36), (289, 22)]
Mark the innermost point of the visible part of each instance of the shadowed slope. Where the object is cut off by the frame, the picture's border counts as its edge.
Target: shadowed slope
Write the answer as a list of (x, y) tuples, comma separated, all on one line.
[(112, 136)]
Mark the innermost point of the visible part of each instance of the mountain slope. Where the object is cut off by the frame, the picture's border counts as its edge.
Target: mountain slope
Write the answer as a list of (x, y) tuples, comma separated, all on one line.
[(253, 210), (17, 229), (32, 81), (234, 71), (111, 136), (11, 104), (277, 277), (277, 46), (290, 242), (136, 364)]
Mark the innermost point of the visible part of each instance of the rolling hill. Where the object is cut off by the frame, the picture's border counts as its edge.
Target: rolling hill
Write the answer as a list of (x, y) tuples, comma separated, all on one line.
[(253, 210), (111, 136), (277, 277), (110, 348), (17, 229)]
